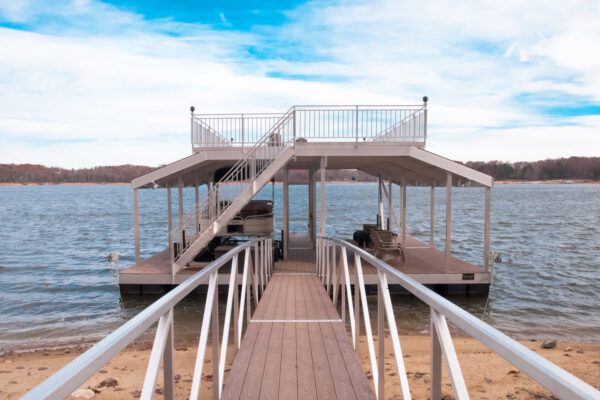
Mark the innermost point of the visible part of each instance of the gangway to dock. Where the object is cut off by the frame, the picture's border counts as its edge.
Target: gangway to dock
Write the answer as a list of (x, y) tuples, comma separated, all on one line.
[(295, 344)]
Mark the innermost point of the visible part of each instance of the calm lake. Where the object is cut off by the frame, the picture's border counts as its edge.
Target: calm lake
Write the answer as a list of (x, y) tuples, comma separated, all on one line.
[(56, 286)]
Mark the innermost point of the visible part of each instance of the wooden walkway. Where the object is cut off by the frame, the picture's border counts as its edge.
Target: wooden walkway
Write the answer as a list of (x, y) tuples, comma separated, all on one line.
[(296, 347)]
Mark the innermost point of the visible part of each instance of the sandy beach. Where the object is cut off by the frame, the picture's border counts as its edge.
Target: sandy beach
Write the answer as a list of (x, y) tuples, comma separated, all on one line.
[(487, 375)]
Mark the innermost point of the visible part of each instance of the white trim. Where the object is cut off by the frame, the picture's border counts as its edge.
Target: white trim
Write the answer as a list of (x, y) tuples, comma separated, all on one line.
[(294, 321)]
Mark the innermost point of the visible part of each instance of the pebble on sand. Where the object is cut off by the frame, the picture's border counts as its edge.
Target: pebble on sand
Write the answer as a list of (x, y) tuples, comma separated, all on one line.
[(549, 344)]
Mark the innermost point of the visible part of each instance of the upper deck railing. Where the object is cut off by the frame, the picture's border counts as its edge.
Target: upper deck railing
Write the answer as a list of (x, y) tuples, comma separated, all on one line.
[(357, 123)]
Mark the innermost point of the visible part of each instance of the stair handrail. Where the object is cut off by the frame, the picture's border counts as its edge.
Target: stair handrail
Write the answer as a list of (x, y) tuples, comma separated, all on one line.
[(210, 206)]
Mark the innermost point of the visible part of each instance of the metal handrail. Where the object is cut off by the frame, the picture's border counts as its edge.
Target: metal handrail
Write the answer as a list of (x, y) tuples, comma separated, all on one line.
[(337, 123), (236, 181), (547, 374), (69, 378)]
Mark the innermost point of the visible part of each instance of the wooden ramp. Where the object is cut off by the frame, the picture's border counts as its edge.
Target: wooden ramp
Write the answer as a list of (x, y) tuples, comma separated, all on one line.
[(296, 347)]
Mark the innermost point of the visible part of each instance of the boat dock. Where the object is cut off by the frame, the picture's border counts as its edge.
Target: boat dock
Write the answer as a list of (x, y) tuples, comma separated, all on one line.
[(236, 155)]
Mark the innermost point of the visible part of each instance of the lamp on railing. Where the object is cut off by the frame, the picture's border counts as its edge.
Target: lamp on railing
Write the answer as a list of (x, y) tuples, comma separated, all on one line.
[(425, 98)]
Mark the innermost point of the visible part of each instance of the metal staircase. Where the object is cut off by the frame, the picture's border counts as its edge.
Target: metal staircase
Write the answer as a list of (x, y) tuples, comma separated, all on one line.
[(228, 196)]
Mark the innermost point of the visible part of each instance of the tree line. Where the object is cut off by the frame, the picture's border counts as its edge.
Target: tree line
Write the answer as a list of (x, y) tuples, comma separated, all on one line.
[(584, 168), (34, 173)]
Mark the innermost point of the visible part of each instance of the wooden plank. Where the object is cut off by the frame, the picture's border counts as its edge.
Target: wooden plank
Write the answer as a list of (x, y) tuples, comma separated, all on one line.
[(288, 378), (306, 376), (270, 379), (357, 376), (235, 379), (322, 371), (324, 307), (241, 365)]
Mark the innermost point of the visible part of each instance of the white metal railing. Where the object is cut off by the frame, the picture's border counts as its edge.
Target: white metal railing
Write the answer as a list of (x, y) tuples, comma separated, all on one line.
[(356, 123), (224, 130), (240, 179), (547, 374), (69, 378)]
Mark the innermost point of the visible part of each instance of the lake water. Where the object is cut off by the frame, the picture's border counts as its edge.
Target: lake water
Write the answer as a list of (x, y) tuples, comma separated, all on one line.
[(56, 286)]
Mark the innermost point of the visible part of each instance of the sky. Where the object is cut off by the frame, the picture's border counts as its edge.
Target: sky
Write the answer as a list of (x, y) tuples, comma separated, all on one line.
[(86, 83)]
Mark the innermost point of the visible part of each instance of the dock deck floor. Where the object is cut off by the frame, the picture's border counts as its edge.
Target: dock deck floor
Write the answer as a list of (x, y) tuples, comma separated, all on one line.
[(424, 263), (296, 347)]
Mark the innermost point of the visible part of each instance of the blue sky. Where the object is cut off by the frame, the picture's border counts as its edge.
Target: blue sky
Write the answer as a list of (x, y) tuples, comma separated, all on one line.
[(86, 82)]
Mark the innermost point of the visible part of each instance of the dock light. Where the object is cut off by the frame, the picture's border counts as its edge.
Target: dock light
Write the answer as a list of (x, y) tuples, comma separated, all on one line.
[(425, 99), (192, 108)]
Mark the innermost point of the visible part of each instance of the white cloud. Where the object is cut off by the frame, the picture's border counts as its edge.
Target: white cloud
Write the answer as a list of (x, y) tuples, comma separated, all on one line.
[(128, 85)]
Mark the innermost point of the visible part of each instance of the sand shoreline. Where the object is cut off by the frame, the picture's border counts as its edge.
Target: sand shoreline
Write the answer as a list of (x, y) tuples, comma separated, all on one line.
[(486, 374)]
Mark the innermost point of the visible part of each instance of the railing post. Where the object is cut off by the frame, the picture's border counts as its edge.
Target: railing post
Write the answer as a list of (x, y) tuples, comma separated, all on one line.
[(215, 339), (168, 362), (335, 275), (236, 309), (435, 361), (328, 267), (356, 307), (380, 340), (242, 132), (356, 127)]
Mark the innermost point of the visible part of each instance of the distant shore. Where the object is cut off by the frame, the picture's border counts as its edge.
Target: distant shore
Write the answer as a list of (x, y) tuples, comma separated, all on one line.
[(499, 182), (61, 183), (486, 374)]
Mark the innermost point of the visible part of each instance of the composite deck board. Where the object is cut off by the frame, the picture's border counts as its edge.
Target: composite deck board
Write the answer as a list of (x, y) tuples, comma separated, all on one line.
[(300, 357), (422, 261)]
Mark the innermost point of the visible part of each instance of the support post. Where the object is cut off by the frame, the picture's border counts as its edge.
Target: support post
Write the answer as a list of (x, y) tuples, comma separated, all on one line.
[(168, 362), (379, 204), (180, 193), (197, 200), (435, 372), (215, 340), (432, 214), (448, 216), (286, 213), (389, 218), (380, 340), (170, 221), (486, 231), (136, 225), (403, 211), (311, 220), (323, 208), (314, 206)]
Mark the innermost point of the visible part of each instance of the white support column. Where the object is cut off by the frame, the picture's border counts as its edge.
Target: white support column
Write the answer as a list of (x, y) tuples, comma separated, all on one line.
[(435, 364), (323, 208), (136, 225), (432, 214), (486, 230), (197, 200), (170, 219), (311, 219), (379, 204), (314, 206), (286, 213), (448, 216), (180, 230), (403, 211), (389, 218)]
